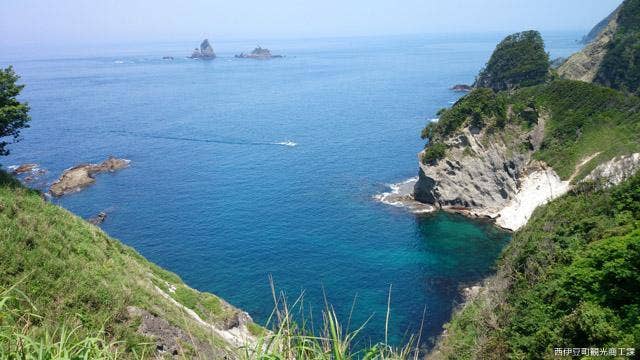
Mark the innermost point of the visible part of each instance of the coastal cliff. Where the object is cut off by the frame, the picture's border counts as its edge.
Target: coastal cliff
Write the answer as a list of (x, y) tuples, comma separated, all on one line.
[(205, 52), (611, 58), (500, 155), (59, 273), (585, 64), (558, 162)]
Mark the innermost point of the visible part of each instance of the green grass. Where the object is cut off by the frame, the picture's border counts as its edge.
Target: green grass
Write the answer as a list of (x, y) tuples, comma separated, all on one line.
[(570, 278), (327, 340), (79, 278), (584, 119)]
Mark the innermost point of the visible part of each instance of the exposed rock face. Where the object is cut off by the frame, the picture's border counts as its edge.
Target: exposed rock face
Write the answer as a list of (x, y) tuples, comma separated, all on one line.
[(171, 340), (584, 64), (487, 177), (477, 176), (258, 53), (205, 51), (537, 187), (616, 170), (81, 176)]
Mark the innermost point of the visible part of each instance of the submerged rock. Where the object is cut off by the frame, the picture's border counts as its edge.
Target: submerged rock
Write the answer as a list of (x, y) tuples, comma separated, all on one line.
[(98, 219), (461, 88), (258, 53), (25, 168), (205, 51), (81, 176)]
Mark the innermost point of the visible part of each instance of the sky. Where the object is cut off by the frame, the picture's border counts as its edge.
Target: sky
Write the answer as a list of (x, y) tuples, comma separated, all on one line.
[(24, 22)]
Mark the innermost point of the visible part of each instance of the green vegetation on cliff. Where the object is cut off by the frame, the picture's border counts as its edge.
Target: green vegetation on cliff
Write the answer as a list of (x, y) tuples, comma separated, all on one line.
[(581, 120), (620, 68), (570, 278), (478, 108), (60, 274), (518, 60)]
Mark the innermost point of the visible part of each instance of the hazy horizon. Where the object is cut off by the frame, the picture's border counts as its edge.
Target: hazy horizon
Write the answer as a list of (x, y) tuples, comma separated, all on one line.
[(73, 22)]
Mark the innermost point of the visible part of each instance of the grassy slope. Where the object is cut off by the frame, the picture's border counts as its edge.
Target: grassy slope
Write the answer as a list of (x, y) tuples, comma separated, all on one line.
[(570, 278), (584, 119), (74, 274)]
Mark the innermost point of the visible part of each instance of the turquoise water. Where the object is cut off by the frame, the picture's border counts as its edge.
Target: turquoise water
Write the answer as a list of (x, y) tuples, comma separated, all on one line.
[(214, 195)]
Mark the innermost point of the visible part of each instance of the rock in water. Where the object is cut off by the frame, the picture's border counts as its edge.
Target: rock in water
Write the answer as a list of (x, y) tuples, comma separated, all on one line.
[(461, 88), (24, 168), (81, 176), (258, 53), (98, 219), (205, 51)]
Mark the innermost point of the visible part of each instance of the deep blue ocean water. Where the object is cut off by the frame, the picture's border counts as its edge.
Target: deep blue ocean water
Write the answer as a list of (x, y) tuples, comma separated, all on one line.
[(212, 196)]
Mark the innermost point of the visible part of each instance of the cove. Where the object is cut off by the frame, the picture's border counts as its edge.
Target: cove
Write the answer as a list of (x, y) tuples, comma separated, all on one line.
[(216, 192)]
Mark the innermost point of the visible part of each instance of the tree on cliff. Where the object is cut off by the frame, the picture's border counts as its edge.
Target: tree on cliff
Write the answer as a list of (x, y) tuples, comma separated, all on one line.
[(14, 115), (518, 61)]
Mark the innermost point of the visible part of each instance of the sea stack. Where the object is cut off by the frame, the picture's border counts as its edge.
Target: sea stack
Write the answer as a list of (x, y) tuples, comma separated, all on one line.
[(205, 51), (258, 53)]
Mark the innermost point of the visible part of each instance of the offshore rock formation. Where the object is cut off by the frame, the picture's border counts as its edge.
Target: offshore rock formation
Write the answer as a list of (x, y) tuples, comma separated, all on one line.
[(258, 53), (205, 52), (24, 168), (81, 176)]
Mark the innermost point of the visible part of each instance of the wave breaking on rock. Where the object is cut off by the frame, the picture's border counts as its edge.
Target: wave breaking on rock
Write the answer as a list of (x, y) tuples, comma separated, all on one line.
[(401, 195)]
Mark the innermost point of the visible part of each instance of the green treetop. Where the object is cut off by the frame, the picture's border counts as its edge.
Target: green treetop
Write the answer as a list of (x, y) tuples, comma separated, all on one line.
[(518, 61), (14, 115)]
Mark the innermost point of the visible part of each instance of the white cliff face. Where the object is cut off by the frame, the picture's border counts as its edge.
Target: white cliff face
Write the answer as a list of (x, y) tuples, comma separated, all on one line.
[(616, 170), (536, 188)]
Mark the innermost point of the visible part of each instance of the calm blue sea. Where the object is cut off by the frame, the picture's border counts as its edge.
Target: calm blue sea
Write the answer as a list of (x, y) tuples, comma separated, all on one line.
[(214, 196)]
